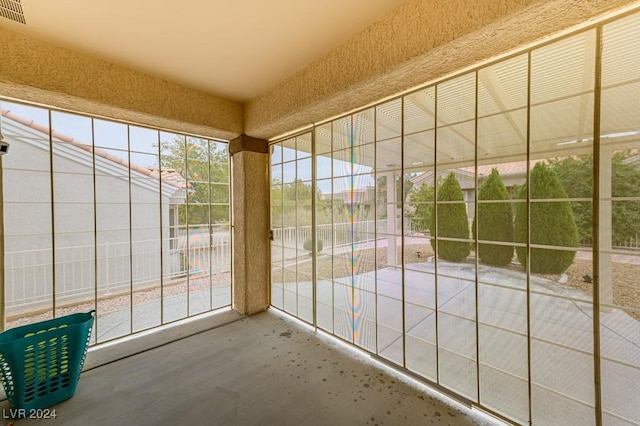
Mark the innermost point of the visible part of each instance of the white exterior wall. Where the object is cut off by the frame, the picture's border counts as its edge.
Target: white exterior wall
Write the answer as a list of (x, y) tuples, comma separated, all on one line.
[(28, 224)]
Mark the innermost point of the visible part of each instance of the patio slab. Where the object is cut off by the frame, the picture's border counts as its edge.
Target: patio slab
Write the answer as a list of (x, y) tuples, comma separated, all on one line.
[(561, 321)]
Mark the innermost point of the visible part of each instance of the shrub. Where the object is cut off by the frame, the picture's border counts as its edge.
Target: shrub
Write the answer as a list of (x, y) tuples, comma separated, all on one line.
[(494, 222), (552, 223), (308, 244), (452, 222), (421, 202)]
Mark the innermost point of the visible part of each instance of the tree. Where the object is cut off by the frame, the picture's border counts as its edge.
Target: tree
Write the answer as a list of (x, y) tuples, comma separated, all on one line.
[(421, 203), (291, 204), (205, 166), (298, 191), (452, 222), (552, 223), (495, 222), (576, 176)]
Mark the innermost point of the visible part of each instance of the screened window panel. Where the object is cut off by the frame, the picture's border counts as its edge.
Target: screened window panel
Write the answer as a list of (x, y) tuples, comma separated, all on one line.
[(498, 307), (618, 234), (419, 111), (388, 118), (29, 269)]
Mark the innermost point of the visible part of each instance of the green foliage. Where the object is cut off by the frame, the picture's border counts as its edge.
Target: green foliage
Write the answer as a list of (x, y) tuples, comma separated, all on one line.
[(291, 204), (205, 166), (552, 223), (421, 203), (576, 176), (308, 244), (495, 222), (452, 222)]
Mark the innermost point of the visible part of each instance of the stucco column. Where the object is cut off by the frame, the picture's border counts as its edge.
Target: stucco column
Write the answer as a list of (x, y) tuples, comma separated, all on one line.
[(251, 246)]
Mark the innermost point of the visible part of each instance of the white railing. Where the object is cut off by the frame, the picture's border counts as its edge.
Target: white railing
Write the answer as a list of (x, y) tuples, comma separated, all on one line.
[(29, 274), (632, 243), (336, 234)]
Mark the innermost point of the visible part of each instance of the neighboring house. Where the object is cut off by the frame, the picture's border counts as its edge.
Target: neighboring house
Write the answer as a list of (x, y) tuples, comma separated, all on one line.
[(513, 175), (362, 198), (154, 201)]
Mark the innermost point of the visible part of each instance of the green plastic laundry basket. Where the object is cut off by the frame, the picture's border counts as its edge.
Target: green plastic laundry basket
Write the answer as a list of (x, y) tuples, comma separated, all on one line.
[(41, 363)]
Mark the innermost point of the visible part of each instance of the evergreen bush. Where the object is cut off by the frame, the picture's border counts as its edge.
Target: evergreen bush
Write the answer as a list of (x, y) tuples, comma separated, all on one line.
[(495, 222), (452, 222), (552, 223), (308, 244)]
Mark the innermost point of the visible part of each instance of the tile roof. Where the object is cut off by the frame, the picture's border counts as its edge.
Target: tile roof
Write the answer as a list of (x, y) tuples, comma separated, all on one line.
[(170, 176)]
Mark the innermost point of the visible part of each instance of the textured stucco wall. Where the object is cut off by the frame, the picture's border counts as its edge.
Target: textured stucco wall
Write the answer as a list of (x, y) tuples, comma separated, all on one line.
[(37, 71), (421, 41), (2, 304), (250, 232)]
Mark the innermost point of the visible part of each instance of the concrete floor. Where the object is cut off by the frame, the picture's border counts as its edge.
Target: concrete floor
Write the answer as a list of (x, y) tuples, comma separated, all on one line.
[(561, 344), (261, 370)]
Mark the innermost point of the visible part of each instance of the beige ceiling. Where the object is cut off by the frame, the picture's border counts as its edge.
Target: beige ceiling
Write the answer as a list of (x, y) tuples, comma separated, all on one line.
[(235, 49)]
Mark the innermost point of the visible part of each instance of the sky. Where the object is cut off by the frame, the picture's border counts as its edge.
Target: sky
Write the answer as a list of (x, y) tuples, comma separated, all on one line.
[(109, 135)]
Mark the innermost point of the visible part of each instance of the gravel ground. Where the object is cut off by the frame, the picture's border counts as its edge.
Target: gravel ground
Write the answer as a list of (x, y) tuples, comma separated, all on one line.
[(626, 289), (110, 303)]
